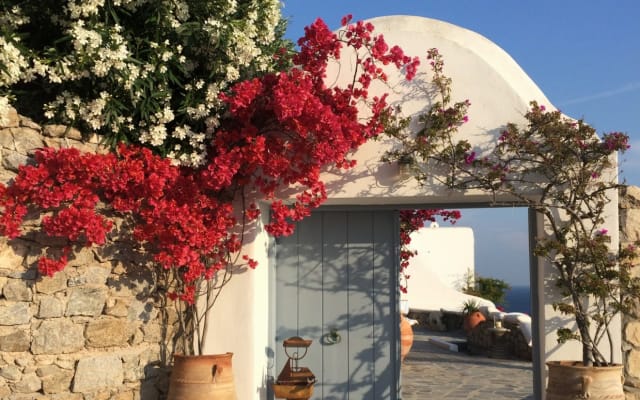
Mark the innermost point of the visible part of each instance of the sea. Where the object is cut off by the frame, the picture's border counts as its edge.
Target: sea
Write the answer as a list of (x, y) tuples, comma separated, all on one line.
[(518, 299)]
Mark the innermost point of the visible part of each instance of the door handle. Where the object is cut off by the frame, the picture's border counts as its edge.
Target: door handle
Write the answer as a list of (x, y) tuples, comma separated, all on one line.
[(333, 337)]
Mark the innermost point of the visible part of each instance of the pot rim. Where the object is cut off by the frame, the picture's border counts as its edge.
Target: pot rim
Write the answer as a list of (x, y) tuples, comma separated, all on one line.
[(204, 356), (576, 364)]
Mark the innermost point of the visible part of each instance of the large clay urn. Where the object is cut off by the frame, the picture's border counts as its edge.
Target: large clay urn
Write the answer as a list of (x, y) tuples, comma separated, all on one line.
[(472, 320), (202, 378), (406, 337), (569, 380)]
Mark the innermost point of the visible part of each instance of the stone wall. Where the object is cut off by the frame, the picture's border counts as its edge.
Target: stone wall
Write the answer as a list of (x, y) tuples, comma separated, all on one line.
[(91, 331), (511, 344), (629, 233)]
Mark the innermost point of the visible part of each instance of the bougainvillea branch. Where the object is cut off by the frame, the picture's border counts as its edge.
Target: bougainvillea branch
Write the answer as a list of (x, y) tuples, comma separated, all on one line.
[(561, 169), (280, 130)]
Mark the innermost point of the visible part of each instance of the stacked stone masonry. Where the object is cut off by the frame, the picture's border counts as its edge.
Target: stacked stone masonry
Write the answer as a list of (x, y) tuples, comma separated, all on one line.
[(630, 233), (92, 331), (481, 340)]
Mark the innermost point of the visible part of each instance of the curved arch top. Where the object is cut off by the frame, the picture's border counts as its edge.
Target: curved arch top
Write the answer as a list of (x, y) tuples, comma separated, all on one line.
[(497, 87), (441, 34)]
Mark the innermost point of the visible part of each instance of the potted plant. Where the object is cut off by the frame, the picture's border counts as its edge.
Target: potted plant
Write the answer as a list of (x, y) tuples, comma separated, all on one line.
[(562, 170), (197, 135), (472, 315), (575, 174)]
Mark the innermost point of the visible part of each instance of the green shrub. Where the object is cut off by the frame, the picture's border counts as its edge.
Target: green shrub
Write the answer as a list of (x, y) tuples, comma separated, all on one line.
[(141, 71), (491, 289)]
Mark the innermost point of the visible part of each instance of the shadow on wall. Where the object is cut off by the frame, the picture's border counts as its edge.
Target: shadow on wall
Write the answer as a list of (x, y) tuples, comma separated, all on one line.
[(335, 286)]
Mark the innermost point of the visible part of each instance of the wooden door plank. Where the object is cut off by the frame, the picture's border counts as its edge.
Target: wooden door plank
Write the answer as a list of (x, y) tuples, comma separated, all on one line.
[(386, 330), (335, 307), (361, 340), (310, 289)]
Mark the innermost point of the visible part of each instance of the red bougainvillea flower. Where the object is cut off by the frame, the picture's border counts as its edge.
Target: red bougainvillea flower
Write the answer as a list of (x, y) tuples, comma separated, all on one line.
[(281, 130)]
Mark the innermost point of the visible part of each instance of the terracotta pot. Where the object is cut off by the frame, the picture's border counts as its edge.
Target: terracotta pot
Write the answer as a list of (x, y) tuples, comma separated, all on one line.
[(202, 378), (571, 380), (472, 320), (406, 337)]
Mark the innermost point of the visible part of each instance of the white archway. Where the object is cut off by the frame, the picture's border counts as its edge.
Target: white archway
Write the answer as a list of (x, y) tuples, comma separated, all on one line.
[(500, 92)]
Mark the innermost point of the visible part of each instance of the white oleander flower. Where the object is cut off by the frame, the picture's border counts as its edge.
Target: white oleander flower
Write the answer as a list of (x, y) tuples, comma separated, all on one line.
[(158, 135), (84, 8), (155, 136), (198, 112), (212, 123), (196, 139), (99, 49), (232, 73), (13, 61), (39, 68), (211, 96), (181, 10), (197, 159), (164, 116), (213, 27), (242, 49), (181, 132), (113, 57), (93, 111), (166, 56), (131, 72), (230, 7), (100, 68), (13, 17), (269, 18), (84, 39), (262, 63)]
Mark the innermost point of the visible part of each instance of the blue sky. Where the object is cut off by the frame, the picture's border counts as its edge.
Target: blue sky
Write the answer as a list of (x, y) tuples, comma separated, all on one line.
[(584, 55)]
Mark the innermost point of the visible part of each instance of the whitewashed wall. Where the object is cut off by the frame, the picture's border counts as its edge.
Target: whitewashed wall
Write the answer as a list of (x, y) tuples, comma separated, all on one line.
[(448, 251), (499, 91)]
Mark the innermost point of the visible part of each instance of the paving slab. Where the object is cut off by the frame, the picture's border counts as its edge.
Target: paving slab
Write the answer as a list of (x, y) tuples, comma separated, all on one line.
[(432, 371)]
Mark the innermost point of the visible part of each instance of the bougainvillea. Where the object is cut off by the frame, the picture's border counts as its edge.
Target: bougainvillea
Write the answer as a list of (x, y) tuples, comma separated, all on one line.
[(435, 129), (566, 173), (280, 130)]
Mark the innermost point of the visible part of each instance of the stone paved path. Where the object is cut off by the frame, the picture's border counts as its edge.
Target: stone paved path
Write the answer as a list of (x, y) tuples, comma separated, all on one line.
[(430, 372)]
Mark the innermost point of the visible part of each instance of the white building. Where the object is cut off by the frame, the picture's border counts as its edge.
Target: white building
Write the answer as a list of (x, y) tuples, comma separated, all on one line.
[(444, 260), (338, 273)]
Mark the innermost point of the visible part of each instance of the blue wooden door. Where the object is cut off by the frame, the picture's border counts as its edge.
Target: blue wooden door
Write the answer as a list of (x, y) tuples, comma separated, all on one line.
[(336, 283)]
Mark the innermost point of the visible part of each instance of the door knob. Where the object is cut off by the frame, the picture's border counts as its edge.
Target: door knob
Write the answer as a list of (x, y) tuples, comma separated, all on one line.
[(333, 337)]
